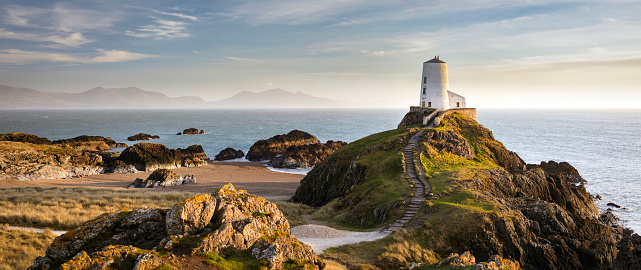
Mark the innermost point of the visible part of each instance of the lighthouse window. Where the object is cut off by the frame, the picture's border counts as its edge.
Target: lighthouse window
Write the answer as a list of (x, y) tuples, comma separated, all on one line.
[(458, 105), (429, 104), (423, 90), (424, 79)]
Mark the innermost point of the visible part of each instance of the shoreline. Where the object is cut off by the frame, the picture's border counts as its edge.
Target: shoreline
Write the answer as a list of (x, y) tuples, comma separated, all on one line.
[(254, 177)]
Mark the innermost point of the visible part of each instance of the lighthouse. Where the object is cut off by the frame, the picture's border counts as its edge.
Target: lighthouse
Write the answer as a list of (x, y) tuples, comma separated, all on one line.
[(435, 87)]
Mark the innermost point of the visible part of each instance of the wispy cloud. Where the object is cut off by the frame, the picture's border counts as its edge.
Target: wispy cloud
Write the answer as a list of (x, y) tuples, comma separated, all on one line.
[(240, 59), (71, 40), (179, 15), (59, 26), (162, 29), (22, 57)]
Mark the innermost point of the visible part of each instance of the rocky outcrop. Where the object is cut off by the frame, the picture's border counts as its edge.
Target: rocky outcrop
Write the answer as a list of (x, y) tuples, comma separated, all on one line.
[(228, 154), (162, 178), (142, 137), (151, 156), (277, 145), (227, 223), (98, 143), (26, 161), (23, 137), (191, 131), (448, 141), (562, 169), (305, 156), (467, 261)]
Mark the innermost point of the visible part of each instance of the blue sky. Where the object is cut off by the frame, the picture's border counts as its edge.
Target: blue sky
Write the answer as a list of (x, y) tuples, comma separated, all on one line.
[(499, 53)]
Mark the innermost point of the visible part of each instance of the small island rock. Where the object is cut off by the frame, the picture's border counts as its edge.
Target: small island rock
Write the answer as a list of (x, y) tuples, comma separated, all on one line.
[(142, 137), (191, 131), (229, 153)]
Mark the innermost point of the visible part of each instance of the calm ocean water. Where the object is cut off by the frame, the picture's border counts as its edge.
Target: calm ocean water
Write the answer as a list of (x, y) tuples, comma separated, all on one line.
[(604, 145)]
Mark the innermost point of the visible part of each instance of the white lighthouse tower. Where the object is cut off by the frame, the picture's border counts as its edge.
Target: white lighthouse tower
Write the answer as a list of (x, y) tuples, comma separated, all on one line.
[(435, 87)]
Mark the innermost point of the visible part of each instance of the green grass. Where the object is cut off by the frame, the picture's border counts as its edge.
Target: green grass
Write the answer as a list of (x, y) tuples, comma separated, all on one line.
[(294, 212), (235, 261)]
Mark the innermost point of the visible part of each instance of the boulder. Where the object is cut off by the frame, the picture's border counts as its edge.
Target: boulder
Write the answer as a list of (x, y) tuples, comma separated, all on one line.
[(142, 137), (229, 153), (190, 216), (120, 167), (162, 178), (277, 145), (305, 156)]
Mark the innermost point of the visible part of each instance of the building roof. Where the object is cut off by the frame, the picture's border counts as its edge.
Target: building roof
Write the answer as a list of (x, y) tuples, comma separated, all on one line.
[(436, 59)]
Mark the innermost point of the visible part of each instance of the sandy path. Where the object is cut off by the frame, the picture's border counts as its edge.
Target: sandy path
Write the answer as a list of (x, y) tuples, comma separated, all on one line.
[(321, 237), (251, 176)]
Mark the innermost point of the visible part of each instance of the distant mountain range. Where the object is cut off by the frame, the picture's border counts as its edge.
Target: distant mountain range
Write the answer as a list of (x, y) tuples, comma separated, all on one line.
[(135, 98)]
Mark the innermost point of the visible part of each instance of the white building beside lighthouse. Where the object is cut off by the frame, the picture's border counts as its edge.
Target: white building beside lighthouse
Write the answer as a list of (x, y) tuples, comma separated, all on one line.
[(435, 87)]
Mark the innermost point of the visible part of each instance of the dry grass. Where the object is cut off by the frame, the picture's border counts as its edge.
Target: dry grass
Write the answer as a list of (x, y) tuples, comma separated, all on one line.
[(294, 212), (333, 265), (67, 208), (20, 248)]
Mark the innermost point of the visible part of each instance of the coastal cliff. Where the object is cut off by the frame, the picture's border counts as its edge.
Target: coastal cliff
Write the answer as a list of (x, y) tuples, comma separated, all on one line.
[(487, 201)]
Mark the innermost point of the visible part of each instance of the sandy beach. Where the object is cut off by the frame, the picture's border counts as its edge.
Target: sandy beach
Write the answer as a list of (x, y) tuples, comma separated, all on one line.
[(251, 176)]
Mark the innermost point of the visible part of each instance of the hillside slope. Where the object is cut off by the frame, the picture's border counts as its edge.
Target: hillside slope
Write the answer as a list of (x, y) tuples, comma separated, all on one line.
[(489, 203)]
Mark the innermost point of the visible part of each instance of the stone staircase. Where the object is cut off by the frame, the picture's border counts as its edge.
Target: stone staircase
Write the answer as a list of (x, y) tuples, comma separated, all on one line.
[(411, 152)]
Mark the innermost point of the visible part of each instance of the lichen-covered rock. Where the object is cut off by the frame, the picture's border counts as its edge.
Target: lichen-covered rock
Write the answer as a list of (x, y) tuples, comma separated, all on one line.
[(305, 156), (229, 153), (162, 178), (274, 146), (253, 223), (140, 229), (142, 137), (190, 216)]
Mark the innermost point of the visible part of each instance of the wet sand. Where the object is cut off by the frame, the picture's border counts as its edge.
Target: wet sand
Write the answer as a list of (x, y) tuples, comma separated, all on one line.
[(251, 176)]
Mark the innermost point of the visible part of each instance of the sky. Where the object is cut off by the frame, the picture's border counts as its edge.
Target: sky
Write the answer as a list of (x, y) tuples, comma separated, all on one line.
[(500, 53)]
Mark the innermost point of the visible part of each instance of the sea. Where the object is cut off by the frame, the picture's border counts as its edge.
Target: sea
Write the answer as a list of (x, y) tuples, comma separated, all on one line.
[(603, 145)]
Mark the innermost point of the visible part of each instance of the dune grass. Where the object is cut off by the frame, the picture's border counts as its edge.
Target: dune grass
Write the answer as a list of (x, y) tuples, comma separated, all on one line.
[(20, 248), (67, 208)]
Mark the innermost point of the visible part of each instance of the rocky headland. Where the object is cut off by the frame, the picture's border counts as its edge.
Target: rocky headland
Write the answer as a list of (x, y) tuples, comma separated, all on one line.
[(142, 137), (229, 154), (162, 178), (486, 201), (229, 227)]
